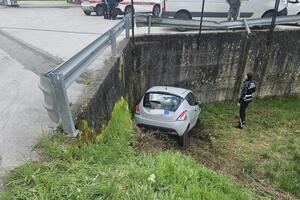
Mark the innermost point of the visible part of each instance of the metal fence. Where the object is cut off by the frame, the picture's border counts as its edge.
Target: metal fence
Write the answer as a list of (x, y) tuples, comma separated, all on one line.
[(54, 84)]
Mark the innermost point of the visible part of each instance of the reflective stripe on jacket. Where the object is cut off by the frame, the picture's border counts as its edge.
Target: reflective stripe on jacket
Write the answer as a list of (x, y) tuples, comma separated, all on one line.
[(248, 89)]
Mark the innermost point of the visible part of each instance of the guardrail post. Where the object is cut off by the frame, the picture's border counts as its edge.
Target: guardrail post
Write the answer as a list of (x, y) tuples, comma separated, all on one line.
[(63, 104), (246, 26), (127, 26), (149, 23), (113, 41)]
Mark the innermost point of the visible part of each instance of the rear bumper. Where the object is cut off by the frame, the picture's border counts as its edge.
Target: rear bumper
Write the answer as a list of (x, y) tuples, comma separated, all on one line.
[(119, 11), (88, 7), (178, 126)]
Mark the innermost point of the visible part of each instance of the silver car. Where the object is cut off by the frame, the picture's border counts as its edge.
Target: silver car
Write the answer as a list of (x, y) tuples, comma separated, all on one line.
[(173, 109)]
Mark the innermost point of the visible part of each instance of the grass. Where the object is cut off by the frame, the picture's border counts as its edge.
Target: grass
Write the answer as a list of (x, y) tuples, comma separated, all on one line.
[(269, 146), (106, 166), (88, 80)]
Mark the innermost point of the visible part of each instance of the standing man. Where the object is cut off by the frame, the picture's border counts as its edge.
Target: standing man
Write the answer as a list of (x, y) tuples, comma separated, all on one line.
[(112, 9), (246, 97), (105, 7), (234, 9)]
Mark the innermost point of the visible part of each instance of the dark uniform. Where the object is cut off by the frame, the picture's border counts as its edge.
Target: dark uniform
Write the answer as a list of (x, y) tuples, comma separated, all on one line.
[(249, 87), (234, 9), (112, 8), (105, 7)]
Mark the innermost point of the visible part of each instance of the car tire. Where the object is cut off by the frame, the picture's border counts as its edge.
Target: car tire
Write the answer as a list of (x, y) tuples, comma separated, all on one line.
[(198, 123), (156, 10), (268, 14), (184, 139), (182, 15), (128, 10), (87, 13), (99, 10)]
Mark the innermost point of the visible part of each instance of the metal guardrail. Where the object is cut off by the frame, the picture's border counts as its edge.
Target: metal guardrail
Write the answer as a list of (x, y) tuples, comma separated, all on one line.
[(54, 83), (142, 21)]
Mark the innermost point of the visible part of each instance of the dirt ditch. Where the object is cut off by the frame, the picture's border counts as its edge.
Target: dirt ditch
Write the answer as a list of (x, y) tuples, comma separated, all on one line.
[(201, 149)]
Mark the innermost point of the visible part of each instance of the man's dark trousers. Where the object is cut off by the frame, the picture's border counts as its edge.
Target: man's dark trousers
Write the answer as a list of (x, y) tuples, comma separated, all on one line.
[(112, 11), (243, 107)]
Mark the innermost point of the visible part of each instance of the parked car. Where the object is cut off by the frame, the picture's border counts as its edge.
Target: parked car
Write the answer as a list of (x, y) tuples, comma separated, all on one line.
[(172, 109), (218, 9), (123, 7), (156, 7), (90, 6)]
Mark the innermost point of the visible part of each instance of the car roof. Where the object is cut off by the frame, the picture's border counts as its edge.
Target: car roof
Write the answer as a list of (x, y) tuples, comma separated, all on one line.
[(181, 92)]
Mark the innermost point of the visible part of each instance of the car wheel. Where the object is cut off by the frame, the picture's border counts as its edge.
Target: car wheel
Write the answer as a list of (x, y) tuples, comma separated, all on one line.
[(184, 139), (128, 10), (268, 14), (87, 13), (99, 10), (198, 123), (182, 15), (156, 10)]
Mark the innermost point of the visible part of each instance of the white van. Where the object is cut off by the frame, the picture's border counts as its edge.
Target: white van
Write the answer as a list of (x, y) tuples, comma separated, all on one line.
[(218, 9)]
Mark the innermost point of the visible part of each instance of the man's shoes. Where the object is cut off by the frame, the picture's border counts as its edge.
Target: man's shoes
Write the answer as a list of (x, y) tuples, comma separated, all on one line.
[(238, 126)]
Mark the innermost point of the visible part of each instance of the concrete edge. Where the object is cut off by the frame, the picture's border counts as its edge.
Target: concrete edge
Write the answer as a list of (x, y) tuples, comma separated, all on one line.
[(99, 76), (43, 53)]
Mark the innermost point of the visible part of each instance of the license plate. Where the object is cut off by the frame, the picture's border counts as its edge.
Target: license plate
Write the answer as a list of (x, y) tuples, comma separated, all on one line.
[(166, 112), (156, 112)]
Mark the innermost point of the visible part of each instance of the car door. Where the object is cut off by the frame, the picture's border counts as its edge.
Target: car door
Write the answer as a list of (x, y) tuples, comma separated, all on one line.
[(247, 9), (142, 6), (217, 9), (193, 109)]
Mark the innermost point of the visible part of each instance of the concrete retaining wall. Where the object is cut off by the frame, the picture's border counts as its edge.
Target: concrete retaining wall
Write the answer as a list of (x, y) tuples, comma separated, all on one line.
[(214, 72)]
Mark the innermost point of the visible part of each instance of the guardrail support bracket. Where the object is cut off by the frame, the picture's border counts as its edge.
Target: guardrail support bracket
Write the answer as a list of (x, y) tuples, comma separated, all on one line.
[(113, 40), (63, 104)]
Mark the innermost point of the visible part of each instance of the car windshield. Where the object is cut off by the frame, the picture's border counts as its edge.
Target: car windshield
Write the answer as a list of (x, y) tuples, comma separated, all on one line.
[(162, 101)]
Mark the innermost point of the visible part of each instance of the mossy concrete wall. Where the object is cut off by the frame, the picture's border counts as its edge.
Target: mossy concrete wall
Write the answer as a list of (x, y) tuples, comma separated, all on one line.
[(214, 72)]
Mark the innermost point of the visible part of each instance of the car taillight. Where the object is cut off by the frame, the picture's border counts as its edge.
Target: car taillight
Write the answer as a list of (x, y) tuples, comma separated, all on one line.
[(137, 109), (182, 116)]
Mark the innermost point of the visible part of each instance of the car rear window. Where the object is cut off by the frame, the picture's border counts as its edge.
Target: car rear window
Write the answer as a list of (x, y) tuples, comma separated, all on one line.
[(162, 101)]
